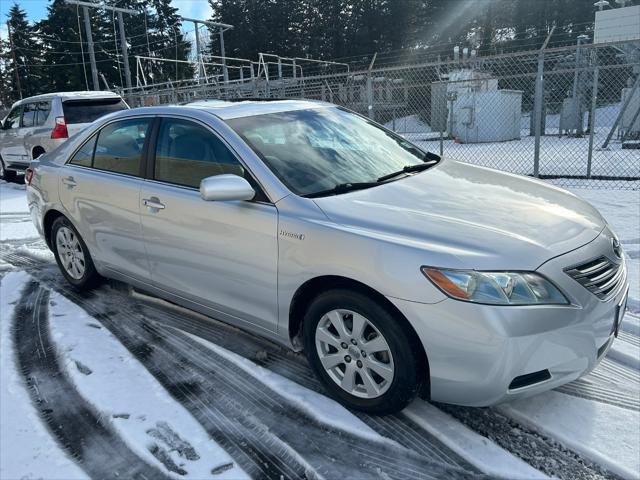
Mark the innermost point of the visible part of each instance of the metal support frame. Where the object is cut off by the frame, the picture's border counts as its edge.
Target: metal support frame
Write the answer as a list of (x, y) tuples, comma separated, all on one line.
[(622, 112), (633, 122), (222, 27), (123, 39), (538, 100), (92, 55)]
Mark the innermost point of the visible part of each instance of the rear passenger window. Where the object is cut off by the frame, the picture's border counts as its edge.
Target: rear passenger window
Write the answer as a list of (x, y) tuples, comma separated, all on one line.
[(29, 115), (186, 153), (43, 113), (84, 156), (119, 146)]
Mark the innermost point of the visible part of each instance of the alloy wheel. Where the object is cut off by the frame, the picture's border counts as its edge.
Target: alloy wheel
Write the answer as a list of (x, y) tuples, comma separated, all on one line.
[(354, 353), (70, 252)]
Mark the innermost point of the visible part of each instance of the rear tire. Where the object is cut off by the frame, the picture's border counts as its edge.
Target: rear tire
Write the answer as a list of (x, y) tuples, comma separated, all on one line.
[(72, 255), (370, 361)]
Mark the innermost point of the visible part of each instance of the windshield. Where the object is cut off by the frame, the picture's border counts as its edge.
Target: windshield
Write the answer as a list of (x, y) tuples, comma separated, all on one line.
[(316, 149)]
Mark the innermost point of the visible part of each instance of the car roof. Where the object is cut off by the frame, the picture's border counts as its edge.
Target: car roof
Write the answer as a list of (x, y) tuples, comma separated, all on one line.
[(67, 96), (236, 109)]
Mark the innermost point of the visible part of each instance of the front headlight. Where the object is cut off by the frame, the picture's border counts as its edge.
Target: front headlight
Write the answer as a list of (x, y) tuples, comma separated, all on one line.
[(496, 288)]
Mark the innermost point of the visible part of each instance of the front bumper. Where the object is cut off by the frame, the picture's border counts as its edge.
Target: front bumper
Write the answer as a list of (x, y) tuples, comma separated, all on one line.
[(476, 351)]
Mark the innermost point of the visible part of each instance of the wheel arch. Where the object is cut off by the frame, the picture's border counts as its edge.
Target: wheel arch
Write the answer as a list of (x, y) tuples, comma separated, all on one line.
[(47, 223), (309, 290), (36, 151)]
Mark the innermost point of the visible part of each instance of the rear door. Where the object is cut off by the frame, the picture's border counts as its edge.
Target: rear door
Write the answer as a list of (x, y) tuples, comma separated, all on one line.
[(79, 113), (11, 149), (27, 129), (219, 255), (100, 189)]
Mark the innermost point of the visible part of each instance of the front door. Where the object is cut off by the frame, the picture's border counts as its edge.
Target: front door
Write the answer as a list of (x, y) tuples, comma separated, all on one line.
[(220, 255), (11, 145)]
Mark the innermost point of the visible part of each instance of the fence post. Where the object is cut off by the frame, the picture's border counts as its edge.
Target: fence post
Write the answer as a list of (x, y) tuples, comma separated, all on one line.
[(592, 127), (537, 105), (370, 112)]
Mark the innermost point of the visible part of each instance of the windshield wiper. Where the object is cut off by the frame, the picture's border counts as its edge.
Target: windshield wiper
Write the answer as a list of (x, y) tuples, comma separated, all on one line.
[(409, 169), (342, 188)]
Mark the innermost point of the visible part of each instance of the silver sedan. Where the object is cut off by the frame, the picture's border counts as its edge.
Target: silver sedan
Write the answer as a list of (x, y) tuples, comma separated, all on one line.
[(397, 272)]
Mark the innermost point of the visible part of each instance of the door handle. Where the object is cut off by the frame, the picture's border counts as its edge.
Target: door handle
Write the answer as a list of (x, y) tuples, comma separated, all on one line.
[(69, 181), (153, 202)]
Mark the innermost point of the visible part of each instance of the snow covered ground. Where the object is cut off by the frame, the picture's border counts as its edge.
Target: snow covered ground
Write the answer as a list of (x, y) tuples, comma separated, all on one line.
[(566, 156), (116, 384)]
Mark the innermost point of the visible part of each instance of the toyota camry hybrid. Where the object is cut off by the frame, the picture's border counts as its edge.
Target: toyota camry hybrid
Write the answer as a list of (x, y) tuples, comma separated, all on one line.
[(396, 271)]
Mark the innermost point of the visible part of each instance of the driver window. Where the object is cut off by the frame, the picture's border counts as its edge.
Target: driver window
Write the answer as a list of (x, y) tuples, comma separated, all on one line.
[(187, 152), (13, 119)]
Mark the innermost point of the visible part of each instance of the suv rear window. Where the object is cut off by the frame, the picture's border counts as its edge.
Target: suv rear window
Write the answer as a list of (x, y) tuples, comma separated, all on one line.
[(86, 111)]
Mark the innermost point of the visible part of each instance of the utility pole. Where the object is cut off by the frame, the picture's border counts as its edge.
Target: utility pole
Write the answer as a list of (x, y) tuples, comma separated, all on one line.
[(123, 40), (92, 55), (225, 71), (15, 63), (125, 51), (223, 27), (200, 65)]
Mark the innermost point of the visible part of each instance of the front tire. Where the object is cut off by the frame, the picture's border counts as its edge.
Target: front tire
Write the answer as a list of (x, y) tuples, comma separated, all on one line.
[(72, 255), (7, 175), (365, 356)]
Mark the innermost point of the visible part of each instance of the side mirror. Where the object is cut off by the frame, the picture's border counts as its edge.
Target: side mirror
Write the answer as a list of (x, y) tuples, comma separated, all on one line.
[(225, 187)]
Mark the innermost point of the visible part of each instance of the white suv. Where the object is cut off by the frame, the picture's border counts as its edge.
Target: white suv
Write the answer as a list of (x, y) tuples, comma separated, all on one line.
[(39, 124)]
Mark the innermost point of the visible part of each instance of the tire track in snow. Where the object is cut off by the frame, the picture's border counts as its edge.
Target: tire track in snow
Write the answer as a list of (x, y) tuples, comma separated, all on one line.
[(549, 456), (294, 366), (609, 370), (611, 383), (74, 423), (629, 338), (222, 397), (585, 388)]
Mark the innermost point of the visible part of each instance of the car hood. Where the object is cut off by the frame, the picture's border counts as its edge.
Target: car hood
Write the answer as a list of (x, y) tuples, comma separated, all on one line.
[(465, 216)]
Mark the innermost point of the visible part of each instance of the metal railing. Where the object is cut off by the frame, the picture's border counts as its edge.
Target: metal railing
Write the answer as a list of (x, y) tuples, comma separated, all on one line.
[(483, 110)]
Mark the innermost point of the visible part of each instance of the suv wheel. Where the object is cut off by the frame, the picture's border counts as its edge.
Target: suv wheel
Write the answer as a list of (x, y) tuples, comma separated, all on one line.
[(365, 357), (72, 255), (8, 175)]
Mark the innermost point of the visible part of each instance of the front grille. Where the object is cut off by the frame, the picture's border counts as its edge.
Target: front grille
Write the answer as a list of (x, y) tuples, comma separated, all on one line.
[(600, 276)]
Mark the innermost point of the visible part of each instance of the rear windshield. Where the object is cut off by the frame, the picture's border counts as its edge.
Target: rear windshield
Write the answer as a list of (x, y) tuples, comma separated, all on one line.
[(86, 111)]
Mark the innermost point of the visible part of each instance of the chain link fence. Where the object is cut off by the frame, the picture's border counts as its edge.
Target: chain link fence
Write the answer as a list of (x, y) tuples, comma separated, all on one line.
[(570, 114)]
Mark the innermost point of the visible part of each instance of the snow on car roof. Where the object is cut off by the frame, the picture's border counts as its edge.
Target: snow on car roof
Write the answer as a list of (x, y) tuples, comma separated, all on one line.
[(228, 110), (68, 96)]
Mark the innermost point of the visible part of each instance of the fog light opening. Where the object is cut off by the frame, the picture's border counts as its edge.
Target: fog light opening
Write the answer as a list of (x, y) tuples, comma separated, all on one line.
[(529, 379)]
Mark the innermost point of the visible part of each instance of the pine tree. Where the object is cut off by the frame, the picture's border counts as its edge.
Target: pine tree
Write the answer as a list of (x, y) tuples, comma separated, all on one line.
[(65, 56), (28, 54), (168, 42), (6, 99)]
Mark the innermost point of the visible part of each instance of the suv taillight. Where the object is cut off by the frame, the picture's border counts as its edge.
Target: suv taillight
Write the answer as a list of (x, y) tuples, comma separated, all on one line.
[(60, 130), (28, 175)]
